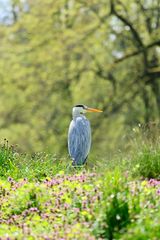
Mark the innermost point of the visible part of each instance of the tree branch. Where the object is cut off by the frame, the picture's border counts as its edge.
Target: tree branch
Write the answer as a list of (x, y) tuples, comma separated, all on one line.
[(119, 105), (135, 35), (156, 43)]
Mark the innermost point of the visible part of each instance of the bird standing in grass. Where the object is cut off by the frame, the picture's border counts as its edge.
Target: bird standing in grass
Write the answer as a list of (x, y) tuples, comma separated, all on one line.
[(79, 134)]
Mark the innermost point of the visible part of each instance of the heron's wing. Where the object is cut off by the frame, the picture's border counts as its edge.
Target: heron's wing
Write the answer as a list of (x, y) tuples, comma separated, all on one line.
[(79, 139)]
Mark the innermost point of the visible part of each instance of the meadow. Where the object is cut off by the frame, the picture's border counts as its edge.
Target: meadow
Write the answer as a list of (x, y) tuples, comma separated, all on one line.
[(56, 54), (43, 197)]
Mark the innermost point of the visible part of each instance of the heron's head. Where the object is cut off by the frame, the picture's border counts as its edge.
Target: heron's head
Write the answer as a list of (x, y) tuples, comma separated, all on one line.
[(82, 109)]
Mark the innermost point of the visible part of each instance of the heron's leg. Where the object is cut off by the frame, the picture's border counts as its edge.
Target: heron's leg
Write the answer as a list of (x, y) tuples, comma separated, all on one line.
[(68, 166)]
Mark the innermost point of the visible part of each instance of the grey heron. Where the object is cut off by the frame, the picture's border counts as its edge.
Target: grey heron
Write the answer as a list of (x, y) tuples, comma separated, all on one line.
[(79, 134)]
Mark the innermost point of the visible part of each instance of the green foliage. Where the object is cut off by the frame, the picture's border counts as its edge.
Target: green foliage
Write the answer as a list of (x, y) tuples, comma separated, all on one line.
[(26, 197), (35, 166), (140, 161), (128, 209), (7, 160), (145, 229), (83, 205), (51, 207), (39, 165), (117, 215), (147, 163)]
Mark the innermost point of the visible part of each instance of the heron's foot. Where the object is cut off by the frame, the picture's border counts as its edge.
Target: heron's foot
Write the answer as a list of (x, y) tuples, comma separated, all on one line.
[(78, 166)]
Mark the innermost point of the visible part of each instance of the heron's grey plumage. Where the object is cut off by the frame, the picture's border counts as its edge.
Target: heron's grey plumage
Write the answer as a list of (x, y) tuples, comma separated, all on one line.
[(79, 134), (79, 139)]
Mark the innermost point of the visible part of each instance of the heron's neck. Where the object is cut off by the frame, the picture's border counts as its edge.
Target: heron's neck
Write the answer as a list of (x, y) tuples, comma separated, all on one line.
[(77, 114)]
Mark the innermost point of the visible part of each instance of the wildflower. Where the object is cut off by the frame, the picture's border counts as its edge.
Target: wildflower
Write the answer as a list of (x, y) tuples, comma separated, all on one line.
[(76, 210), (154, 182), (10, 179), (158, 191), (66, 206)]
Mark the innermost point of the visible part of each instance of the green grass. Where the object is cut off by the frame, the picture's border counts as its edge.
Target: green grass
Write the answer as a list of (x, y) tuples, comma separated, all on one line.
[(43, 197), (32, 166), (7, 160), (147, 163)]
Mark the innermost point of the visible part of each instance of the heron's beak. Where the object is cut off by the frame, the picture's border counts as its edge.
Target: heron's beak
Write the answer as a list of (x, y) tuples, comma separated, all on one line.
[(93, 110)]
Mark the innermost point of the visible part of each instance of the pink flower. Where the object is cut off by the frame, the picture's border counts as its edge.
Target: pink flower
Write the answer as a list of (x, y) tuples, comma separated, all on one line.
[(76, 210), (154, 182)]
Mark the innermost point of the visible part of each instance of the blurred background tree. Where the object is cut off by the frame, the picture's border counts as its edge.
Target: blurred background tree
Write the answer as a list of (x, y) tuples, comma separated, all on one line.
[(57, 53)]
